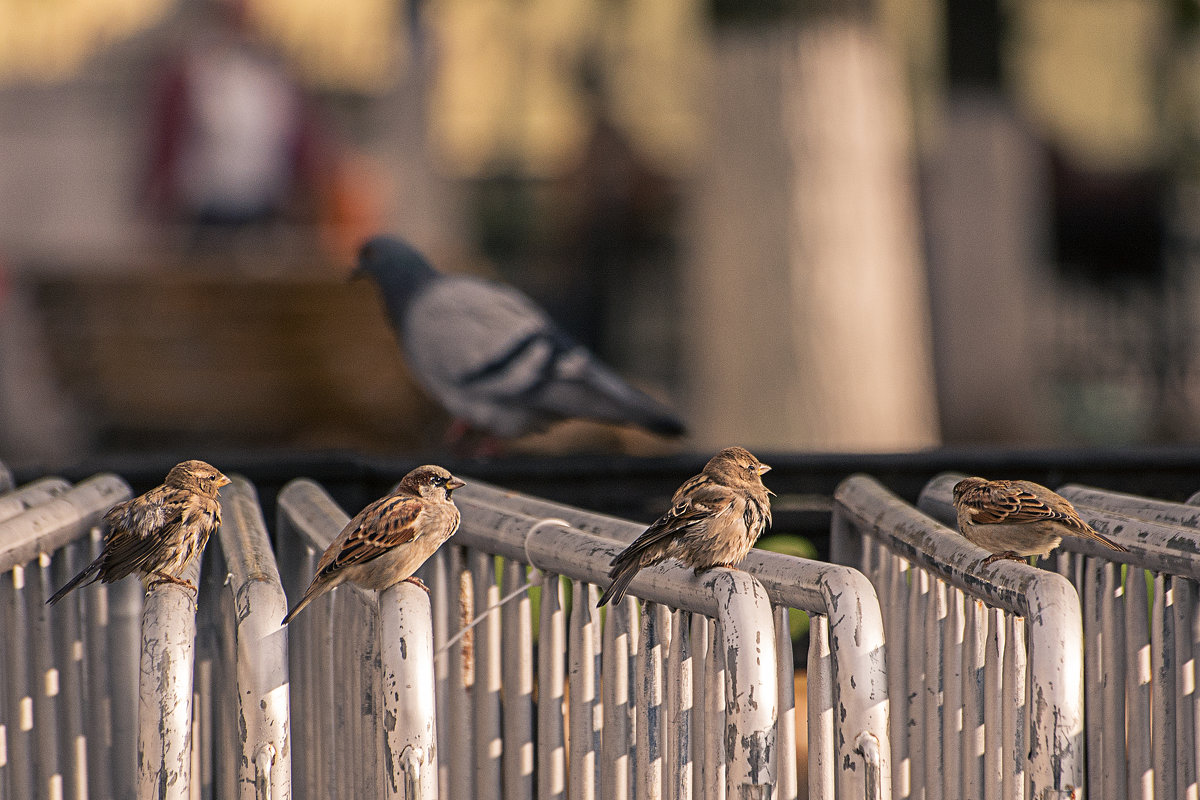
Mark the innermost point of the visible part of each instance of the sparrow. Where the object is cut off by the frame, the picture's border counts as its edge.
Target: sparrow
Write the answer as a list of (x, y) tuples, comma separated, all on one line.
[(714, 520), (1016, 519), (492, 357), (388, 540), (158, 533)]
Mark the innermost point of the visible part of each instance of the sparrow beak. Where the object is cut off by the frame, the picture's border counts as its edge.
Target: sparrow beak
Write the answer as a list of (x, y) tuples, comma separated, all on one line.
[(453, 484), (763, 469), (223, 481)]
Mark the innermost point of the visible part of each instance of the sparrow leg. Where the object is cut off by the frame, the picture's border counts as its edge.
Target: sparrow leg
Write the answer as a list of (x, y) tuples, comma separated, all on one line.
[(165, 578), (994, 557), (418, 582)]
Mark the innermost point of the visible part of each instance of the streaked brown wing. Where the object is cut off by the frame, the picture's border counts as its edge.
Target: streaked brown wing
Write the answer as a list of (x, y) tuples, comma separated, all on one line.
[(144, 530), (381, 526), (696, 502), (1010, 504)]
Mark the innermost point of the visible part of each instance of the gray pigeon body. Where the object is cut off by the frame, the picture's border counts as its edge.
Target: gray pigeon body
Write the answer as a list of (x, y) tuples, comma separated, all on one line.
[(492, 357)]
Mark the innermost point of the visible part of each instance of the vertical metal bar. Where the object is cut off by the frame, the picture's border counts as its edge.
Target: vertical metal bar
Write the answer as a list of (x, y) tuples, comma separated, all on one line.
[(821, 766), (165, 690), (787, 783), (517, 686), (1162, 639), (1185, 689), (486, 693), (19, 731), (406, 630), (1015, 719), (679, 761), (953, 742), (974, 656), (701, 641), (92, 609), (69, 655), (1137, 689), (437, 570), (897, 618), (584, 697), (912, 641), (1112, 646), (992, 697), (936, 678), (714, 711), (619, 632), (1090, 590), (1193, 634), (552, 763), (649, 682), (460, 750)]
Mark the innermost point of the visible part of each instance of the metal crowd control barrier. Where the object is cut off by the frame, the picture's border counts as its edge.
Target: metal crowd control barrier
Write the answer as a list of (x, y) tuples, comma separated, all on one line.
[(984, 665), (241, 676), (68, 674), (1142, 643), (849, 755), (361, 667)]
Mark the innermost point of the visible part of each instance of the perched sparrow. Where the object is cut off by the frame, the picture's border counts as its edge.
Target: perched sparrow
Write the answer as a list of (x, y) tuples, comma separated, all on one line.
[(492, 357), (389, 539), (158, 533), (714, 520), (1016, 519)]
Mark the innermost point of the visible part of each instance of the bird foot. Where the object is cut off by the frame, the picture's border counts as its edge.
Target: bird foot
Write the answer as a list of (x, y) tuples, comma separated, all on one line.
[(164, 578), (1008, 554), (418, 582)]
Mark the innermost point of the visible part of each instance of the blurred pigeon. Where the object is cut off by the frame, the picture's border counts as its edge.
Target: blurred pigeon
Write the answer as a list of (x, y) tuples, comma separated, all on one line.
[(492, 357)]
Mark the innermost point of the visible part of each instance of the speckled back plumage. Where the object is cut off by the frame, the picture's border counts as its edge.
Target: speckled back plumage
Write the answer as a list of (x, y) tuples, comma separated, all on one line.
[(714, 520), (1022, 518), (158, 533), (388, 540)]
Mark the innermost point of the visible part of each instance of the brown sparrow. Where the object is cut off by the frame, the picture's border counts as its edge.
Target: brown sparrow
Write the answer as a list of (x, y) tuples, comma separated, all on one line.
[(158, 533), (714, 520), (388, 540), (1016, 519)]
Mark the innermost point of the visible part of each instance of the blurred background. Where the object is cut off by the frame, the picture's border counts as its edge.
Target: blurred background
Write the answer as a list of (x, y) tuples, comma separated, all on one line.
[(810, 226)]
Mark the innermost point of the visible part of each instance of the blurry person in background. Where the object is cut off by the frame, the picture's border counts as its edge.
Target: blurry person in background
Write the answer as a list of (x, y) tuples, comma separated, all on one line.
[(234, 147)]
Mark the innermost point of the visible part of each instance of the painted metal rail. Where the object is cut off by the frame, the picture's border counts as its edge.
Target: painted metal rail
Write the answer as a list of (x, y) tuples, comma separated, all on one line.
[(847, 723), (985, 664)]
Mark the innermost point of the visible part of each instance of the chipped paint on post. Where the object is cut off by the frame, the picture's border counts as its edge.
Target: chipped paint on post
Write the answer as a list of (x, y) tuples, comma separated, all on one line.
[(165, 690), (409, 703)]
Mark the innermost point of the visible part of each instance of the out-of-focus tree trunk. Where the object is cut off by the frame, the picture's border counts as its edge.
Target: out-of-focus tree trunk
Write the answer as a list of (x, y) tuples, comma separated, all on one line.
[(807, 294)]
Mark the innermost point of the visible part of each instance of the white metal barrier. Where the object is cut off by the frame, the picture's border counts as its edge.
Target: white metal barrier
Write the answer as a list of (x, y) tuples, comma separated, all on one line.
[(362, 670), (1141, 614), (68, 674), (97, 697), (243, 715), (985, 666), (849, 756)]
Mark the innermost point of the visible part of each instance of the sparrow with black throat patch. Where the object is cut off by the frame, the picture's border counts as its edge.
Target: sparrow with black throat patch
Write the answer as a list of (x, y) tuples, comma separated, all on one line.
[(1017, 519), (714, 520), (388, 540), (157, 534)]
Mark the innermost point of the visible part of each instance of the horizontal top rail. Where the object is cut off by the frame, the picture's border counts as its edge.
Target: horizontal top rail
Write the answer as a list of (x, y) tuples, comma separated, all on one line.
[(1015, 587), (813, 586), (1152, 530), (30, 495), (45, 528)]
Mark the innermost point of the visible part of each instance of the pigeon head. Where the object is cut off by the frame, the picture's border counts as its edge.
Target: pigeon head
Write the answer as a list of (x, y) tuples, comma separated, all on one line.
[(398, 269)]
